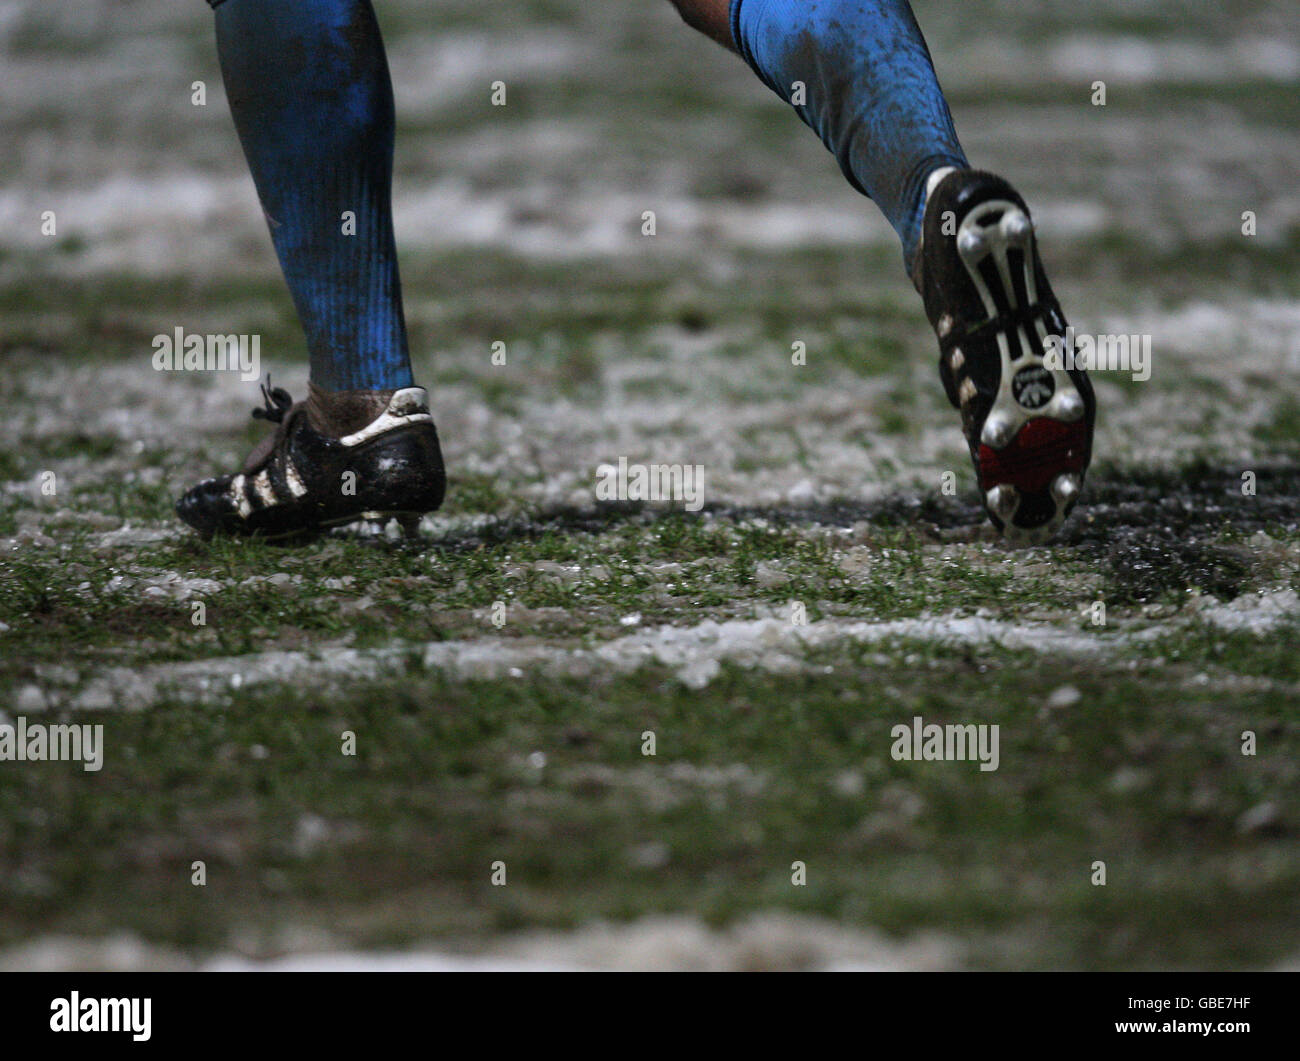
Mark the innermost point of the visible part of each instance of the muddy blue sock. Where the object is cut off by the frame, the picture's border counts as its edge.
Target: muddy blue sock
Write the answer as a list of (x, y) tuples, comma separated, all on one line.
[(309, 89), (869, 91)]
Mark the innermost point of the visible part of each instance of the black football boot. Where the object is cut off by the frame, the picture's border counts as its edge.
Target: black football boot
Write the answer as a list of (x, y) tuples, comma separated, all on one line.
[(1027, 416), (382, 464)]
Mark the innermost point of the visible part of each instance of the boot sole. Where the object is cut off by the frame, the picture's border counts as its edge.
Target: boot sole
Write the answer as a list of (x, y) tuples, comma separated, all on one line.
[(1034, 441)]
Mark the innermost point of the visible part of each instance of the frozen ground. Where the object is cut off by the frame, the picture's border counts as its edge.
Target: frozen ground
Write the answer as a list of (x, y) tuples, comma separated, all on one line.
[(522, 743)]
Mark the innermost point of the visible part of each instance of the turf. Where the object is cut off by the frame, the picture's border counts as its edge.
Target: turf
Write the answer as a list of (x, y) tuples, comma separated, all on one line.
[(502, 673)]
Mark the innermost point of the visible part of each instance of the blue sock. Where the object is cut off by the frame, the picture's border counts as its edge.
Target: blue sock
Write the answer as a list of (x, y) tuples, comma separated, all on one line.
[(871, 93), (309, 89)]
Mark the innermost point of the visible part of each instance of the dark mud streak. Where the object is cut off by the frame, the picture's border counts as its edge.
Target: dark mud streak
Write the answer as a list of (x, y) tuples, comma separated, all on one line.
[(1152, 530)]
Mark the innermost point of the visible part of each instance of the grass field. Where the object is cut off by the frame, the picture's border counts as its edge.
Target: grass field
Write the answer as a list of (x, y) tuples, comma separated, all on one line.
[(480, 743)]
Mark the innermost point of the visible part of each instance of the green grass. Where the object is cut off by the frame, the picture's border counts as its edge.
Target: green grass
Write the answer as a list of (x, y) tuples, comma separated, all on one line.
[(442, 786), (680, 344)]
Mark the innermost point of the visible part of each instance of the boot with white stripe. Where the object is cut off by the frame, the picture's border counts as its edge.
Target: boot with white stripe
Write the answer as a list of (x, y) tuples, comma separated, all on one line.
[(302, 480), (1028, 420)]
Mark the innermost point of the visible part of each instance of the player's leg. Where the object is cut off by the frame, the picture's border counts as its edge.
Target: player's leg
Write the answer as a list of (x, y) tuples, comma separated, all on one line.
[(858, 72), (309, 90), (710, 17)]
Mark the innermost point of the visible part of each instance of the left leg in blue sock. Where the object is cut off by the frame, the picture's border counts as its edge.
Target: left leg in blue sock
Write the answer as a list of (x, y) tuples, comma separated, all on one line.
[(309, 89)]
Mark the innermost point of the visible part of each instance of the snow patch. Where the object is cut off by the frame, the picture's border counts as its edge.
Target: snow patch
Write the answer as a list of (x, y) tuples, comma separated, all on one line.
[(694, 653), (770, 941), (1256, 614)]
